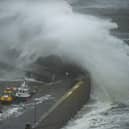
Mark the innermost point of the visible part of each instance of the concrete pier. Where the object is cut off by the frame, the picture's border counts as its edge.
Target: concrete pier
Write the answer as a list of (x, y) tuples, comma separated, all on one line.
[(66, 107)]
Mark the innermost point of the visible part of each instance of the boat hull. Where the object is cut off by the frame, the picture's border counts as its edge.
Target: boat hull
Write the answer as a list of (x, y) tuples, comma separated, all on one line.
[(19, 99)]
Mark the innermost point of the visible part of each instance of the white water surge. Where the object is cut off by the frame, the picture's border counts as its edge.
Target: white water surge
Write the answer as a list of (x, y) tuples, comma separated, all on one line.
[(43, 28)]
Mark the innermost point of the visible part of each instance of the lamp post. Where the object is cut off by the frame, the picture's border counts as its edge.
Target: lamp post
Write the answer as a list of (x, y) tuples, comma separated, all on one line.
[(35, 111)]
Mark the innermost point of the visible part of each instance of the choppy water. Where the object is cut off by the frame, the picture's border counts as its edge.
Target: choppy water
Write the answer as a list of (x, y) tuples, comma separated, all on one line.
[(16, 110), (101, 116)]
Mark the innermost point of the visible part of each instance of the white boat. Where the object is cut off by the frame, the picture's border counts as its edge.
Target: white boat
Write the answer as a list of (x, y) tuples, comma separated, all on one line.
[(23, 92)]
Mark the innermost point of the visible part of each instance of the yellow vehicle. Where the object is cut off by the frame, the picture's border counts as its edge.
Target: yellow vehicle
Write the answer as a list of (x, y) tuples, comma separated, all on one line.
[(7, 96)]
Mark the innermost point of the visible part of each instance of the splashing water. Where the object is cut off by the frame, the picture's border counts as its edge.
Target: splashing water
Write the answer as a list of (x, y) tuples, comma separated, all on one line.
[(100, 115), (42, 28)]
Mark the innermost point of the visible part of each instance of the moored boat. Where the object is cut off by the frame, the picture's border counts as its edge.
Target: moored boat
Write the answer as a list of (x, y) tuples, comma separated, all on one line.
[(8, 96), (23, 92), (6, 99)]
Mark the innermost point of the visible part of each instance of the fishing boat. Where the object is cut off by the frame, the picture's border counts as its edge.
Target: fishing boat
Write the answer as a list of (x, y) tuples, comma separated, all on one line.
[(23, 92), (7, 96)]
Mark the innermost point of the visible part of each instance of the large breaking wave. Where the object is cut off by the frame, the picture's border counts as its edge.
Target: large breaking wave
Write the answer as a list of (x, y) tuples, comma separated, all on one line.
[(37, 28)]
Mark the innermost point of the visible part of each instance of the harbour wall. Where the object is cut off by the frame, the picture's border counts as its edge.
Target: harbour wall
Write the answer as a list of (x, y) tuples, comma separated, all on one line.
[(66, 107)]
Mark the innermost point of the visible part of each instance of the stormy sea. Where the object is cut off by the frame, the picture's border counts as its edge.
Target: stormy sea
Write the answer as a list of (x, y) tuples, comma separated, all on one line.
[(94, 34)]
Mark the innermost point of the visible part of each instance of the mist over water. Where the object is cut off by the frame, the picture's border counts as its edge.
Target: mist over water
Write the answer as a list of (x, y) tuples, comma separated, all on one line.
[(33, 29)]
